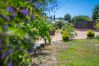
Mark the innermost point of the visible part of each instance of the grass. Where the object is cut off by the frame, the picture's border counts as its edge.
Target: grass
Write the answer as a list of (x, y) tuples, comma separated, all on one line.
[(80, 53)]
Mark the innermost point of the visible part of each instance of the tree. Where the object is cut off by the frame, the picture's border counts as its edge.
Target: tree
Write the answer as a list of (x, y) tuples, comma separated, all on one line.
[(81, 18), (67, 17), (54, 17), (59, 24), (97, 26), (60, 18), (96, 12), (51, 17)]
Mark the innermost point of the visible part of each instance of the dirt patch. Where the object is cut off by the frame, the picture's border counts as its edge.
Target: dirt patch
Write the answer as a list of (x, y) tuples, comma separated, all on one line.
[(82, 34), (48, 54)]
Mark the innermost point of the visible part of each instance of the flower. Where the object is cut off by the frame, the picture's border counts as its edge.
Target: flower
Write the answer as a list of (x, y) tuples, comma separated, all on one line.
[(30, 51), (25, 12), (4, 55), (14, 15), (5, 26), (31, 1), (27, 21), (37, 5), (10, 51), (9, 45), (10, 64), (10, 9), (5, 17), (33, 17)]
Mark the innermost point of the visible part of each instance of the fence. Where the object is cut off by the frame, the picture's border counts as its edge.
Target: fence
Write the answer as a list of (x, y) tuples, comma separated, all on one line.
[(84, 25)]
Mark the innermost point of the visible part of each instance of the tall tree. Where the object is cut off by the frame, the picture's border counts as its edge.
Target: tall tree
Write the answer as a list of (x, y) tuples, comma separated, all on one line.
[(51, 17), (96, 12), (67, 17), (54, 17)]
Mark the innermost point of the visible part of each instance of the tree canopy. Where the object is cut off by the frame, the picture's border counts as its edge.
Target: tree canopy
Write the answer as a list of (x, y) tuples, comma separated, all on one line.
[(67, 17), (81, 18), (96, 12)]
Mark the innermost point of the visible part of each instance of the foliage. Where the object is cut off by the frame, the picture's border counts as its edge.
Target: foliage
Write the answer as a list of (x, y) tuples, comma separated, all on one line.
[(97, 25), (52, 26), (90, 34), (96, 12), (69, 29), (59, 24), (65, 36), (80, 18), (60, 18), (97, 37), (21, 22), (54, 17), (67, 17)]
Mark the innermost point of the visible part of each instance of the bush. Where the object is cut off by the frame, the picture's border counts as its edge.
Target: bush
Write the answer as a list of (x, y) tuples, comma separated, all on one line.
[(69, 29), (90, 34), (65, 37), (97, 37), (21, 23), (59, 25), (97, 26)]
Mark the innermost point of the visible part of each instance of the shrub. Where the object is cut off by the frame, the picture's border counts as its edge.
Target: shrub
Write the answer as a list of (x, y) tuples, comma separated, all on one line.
[(90, 34), (97, 26), (65, 36), (69, 29), (21, 23), (59, 24), (97, 37)]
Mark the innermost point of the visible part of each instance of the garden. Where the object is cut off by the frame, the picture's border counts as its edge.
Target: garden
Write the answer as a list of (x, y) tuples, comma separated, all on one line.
[(28, 38)]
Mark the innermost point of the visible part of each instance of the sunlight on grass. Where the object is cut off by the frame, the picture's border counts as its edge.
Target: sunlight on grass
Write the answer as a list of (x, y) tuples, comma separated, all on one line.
[(80, 53)]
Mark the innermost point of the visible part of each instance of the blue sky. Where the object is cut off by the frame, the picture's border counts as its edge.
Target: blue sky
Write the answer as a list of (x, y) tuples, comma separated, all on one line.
[(76, 7)]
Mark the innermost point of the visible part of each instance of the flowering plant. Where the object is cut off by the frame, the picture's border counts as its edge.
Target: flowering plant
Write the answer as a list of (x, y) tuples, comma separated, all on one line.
[(20, 22)]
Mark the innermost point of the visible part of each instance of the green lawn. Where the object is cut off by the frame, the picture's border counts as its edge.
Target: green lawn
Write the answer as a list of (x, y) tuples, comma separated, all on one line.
[(80, 53)]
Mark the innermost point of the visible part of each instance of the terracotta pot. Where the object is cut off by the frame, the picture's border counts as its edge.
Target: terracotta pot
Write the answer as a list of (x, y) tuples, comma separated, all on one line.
[(52, 33)]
